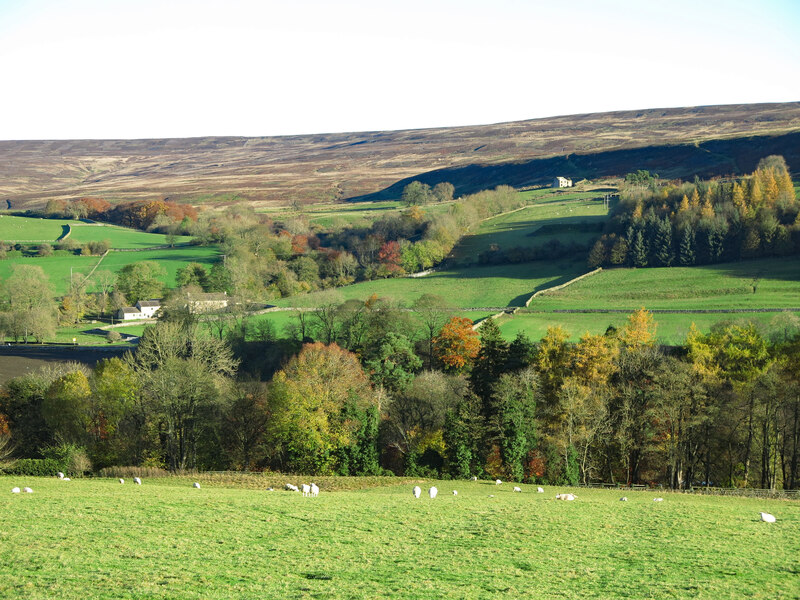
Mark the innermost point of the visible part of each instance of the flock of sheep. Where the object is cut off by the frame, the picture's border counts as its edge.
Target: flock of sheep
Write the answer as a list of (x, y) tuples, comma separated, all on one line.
[(312, 490)]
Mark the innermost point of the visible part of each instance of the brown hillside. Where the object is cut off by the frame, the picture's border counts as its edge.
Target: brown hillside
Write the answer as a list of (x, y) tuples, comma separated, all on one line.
[(315, 167)]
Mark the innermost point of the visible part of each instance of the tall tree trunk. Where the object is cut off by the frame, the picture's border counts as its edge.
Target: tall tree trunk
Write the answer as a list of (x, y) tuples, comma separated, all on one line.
[(749, 445)]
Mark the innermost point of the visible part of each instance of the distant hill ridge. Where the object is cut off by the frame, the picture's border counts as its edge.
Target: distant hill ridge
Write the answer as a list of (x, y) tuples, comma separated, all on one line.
[(305, 168)]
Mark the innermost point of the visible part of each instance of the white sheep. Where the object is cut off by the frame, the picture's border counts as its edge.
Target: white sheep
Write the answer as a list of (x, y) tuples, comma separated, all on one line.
[(27, 490), (623, 499), (306, 489), (658, 499), (417, 491), (767, 518), (121, 480), (568, 497), (497, 482), (137, 481), (66, 479), (455, 492), (291, 488), (314, 490), (539, 490), (517, 489), (196, 485), (474, 478), (60, 475), (15, 490), (432, 492)]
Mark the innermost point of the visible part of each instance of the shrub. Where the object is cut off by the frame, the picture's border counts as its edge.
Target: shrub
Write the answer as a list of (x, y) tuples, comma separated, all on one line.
[(35, 467), (113, 336)]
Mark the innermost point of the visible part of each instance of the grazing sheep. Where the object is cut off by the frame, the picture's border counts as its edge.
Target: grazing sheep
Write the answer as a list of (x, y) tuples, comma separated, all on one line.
[(417, 491), (196, 485), (497, 482), (27, 490), (568, 497), (539, 490), (432, 492), (121, 480), (455, 492), (623, 499), (491, 495), (15, 490), (767, 518), (137, 481), (306, 489), (517, 489), (474, 478), (314, 490), (658, 499), (60, 475), (291, 488)]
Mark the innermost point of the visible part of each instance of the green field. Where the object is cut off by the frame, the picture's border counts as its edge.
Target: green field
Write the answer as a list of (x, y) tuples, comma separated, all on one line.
[(473, 287), (120, 237), (765, 283), (534, 226), (58, 268), (95, 538), (22, 229), (670, 328)]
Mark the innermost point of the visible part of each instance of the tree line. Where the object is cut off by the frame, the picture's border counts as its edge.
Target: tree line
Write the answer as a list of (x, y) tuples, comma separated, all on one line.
[(669, 224), (372, 387)]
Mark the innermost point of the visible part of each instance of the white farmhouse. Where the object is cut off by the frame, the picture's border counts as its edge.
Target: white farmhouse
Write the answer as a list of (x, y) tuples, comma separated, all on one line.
[(144, 309), (148, 307), (562, 182)]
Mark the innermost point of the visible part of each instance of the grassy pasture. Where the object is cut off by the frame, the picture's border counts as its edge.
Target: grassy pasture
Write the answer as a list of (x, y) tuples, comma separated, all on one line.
[(99, 539), (474, 287), (671, 328), (120, 237), (22, 229), (522, 227), (765, 283), (57, 268)]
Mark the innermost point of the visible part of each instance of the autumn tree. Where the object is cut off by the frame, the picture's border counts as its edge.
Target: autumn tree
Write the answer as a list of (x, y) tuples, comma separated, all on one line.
[(457, 344), (323, 409)]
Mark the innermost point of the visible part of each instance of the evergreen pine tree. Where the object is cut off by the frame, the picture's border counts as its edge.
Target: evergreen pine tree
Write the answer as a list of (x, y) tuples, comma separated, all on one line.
[(662, 243), (686, 252)]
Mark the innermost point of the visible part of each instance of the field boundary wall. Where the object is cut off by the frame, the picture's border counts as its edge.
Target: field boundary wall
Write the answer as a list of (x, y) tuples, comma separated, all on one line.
[(563, 285)]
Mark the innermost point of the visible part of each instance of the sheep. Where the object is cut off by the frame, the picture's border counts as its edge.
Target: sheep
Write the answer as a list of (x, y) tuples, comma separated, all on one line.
[(60, 475), (137, 481), (15, 490), (455, 492), (291, 488), (270, 490), (196, 485), (567, 497), (417, 491), (767, 518), (497, 482), (474, 478), (27, 490), (306, 489), (432, 492), (491, 495), (314, 490), (121, 480), (66, 479), (658, 499), (539, 490), (517, 489), (623, 499)]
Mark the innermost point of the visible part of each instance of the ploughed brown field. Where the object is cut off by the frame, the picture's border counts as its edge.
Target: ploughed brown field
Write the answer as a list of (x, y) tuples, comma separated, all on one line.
[(313, 168)]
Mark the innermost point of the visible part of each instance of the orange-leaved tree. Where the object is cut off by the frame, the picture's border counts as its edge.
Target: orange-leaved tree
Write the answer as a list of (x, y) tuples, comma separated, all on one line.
[(457, 344)]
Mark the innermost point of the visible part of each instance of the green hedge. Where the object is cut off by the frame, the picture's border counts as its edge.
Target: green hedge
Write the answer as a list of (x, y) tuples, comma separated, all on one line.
[(35, 467)]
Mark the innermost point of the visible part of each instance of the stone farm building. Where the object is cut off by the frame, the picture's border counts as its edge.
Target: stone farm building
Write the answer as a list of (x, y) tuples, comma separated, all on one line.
[(562, 182), (202, 302), (144, 309)]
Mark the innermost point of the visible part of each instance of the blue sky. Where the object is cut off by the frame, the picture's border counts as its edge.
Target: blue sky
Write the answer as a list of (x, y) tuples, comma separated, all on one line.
[(144, 68)]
